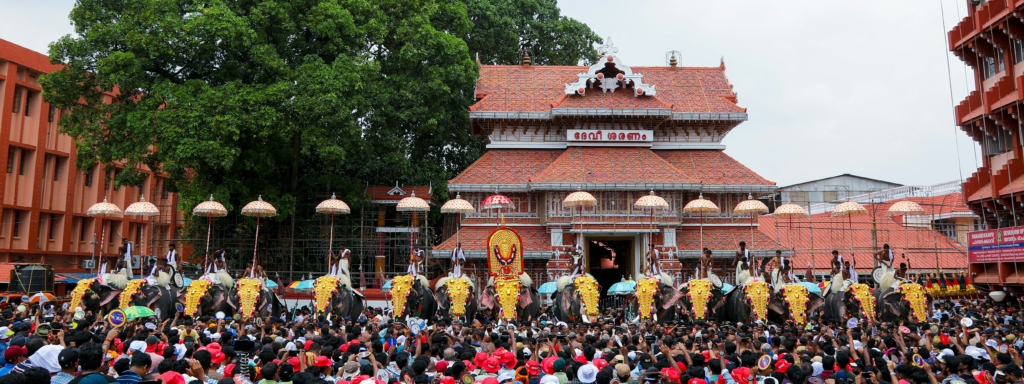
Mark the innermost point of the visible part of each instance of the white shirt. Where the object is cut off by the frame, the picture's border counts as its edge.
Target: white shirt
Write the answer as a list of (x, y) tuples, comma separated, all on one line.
[(458, 255)]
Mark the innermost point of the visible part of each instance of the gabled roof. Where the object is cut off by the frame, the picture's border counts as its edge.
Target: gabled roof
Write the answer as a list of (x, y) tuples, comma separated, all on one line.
[(392, 194), (511, 168), (713, 168), (843, 175), (610, 165)]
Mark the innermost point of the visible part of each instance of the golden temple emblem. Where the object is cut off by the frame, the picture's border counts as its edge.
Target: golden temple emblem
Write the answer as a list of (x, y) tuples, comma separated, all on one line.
[(796, 299), (130, 290), (505, 253), (248, 296), (862, 293), (915, 296), (83, 287), (458, 292), (699, 292), (590, 294), (323, 288), (646, 291), (758, 295), (401, 286), (507, 290), (193, 294)]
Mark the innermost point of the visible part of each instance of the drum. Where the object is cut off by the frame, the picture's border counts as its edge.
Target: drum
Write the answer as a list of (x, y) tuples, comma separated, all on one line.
[(178, 279), (715, 280), (877, 274)]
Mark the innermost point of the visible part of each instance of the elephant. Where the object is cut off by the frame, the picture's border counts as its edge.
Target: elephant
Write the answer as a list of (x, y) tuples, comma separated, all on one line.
[(444, 302), (714, 305), (893, 306), (738, 306), (267, 305), (569, 307), (213, 298), (780, 311), (339, 298), (665, 302), (94, 296), (160, 299), (418, 300), (841, 305), (528, 306)]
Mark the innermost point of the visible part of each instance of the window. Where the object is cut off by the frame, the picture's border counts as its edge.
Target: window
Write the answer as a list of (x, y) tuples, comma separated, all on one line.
[(81, 234), (106, 181), (1018, 51), (1000, 65), (10, 159), (989, 67), (21, 161), (57, 162), (53, 225), (830, 196), (1001, 143), (88, 177), (17, 99), (16, 227), (799, 197), (164, 193), (53, 112), (28, 101)]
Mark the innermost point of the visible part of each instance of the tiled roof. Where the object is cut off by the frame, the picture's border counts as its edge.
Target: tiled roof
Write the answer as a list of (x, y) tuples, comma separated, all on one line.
[(623, 100), (507, 166), (475, 238), (1016, 187), (941, 205), (712, 167), (380, 193), (515, 88), (985, 192), (723, 239), (919, 244), (610, 165), (5, 271)]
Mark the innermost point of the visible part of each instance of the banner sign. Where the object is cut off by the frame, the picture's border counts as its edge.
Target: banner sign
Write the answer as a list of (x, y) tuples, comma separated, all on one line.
[(609, 135), (995, 245)]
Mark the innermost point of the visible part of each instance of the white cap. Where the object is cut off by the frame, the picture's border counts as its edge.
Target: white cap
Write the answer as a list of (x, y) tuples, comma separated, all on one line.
[(506, 375), (290, 347), (215, 335), (549, 379), (992, 343), (137, 345), (179, 351), (3, 333)]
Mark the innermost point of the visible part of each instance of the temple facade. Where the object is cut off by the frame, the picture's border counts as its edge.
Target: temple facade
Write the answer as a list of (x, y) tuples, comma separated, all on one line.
[(619, 133)]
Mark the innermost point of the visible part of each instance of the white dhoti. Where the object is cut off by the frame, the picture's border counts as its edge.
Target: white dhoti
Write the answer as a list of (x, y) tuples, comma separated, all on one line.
[(343, 266)]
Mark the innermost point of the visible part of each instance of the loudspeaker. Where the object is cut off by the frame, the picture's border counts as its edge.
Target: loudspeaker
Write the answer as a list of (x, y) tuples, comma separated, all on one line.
[(32, 278)]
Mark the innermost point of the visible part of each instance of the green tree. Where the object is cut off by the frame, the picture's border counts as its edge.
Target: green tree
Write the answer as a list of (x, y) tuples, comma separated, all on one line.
[(503, 28)]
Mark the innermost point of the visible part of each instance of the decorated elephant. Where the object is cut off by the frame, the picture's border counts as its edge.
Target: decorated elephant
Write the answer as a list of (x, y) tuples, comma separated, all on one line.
[(702, 298), (411, 297), (203, 298), (577, 299), (512, 298), (657, 299), (94, 296), (795, 303), (333, 294), (456, 297), (907, 303), (249, 298), (749, 303), (856, 300)]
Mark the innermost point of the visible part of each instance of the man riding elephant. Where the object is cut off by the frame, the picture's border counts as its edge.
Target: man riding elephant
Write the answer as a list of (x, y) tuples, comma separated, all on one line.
[(411, 297), (335, 294), (657, 299), (456, 297), (203, 298)]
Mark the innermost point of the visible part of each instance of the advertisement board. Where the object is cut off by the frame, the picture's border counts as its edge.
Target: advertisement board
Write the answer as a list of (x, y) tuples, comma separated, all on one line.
[(996, 245)]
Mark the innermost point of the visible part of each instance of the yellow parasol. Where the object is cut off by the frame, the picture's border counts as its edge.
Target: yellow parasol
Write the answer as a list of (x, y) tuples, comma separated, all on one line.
[(651, 202), (332, 206), (790, 210), (142, 208), (753, 207), (104, 210), (458, 206), (905, 208), (257, 208), (412, 204), (581, 200), (701, 206), (209, 209), (849, 209)]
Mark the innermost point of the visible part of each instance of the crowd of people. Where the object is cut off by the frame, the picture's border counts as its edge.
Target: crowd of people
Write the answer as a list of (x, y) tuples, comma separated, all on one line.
[(50, 345)]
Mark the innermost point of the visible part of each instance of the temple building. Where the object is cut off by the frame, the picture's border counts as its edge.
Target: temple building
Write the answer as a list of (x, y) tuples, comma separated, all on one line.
[(619, 133)]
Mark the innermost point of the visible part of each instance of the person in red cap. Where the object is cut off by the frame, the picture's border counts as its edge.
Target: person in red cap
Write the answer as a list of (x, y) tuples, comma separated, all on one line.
[(326, 367), (491, 367)]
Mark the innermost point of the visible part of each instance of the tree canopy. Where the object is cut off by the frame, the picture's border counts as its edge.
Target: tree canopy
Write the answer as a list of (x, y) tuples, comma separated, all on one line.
[(290, 98)]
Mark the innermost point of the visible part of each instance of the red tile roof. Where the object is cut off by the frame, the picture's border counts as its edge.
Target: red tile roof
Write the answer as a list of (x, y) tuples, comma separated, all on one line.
[(1016, 187), (941, 205), (610, 165), (518, 88), (985, 192), (723, 239), (475, 238), (919, 244), (380, 193), (5, 272), (507, 166), (620, 100), (713, 167)]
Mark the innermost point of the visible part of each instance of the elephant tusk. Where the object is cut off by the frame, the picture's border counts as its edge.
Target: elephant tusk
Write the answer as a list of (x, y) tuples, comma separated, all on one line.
[(586, 319)]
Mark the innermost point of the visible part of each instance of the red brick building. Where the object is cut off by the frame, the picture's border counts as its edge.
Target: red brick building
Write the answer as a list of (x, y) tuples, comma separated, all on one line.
[(617, 132), (45, 196)]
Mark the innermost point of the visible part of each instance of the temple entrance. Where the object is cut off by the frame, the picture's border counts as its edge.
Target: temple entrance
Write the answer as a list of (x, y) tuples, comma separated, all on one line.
[(609, 260)]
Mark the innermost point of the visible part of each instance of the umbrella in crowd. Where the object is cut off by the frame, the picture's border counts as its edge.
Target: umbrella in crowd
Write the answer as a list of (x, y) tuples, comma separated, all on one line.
[(548, 288), (41, 297), (135, 312)]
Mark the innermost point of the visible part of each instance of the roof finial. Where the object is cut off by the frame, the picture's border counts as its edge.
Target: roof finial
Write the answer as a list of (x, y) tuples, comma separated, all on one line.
[(526, 58), (673, 62), (722, 64)]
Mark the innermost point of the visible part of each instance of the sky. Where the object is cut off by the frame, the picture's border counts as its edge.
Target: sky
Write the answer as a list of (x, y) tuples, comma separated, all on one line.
[(830, 87)]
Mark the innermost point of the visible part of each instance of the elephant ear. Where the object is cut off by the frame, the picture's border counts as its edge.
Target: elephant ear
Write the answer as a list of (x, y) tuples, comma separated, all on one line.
[(487, 298), (108, 296), (524, 297), (814, 303), (154, 293), (669, 296), (441, 297)]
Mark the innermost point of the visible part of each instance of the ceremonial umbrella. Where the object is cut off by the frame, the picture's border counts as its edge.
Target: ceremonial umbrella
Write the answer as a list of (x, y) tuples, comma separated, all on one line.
[(209, 209), (332, 206), (790, 210), (142, 208), (412, 204), (458, 206), (849, 209), (581, 200), (701, 206), (651, 202), (258, 208), (905, 208), (753, 207), (104, 210)]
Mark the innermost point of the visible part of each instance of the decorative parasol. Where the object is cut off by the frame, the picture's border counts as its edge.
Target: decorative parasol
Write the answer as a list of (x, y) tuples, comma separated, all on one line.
[(142, 208), (753, 207), (905, 208), (789, 211), (458, 206), (849, 209), (209, 209), (701, 206), (104, 210), (578, 199), (498, 202), (651, 202), (257, 208), (332, 207), (412, 204)]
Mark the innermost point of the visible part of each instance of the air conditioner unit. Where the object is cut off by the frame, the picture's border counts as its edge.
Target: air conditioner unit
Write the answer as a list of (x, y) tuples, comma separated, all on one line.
[(88, 264), (150, 259), (135, 262)]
